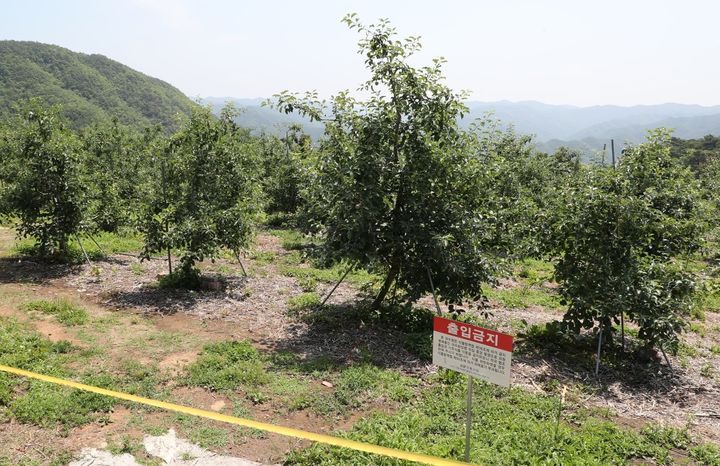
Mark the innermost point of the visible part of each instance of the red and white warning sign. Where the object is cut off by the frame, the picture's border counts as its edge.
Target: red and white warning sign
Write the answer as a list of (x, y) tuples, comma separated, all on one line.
[(472, 350)]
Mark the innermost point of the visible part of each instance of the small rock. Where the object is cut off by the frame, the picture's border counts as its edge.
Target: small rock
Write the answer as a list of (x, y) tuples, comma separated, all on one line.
[(327, 384), (218, 405)]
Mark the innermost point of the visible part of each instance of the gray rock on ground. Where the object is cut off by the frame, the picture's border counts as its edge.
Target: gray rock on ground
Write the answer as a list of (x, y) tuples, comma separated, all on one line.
[(171, 449)]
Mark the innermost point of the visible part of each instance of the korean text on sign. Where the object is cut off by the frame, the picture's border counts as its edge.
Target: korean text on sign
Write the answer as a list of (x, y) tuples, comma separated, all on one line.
[(472, 350)]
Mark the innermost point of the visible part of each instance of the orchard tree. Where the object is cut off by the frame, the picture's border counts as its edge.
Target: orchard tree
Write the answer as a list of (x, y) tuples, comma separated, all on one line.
[(41, 186), (397, 185), (111, 175), (618, 234), (207, 193), (521, 184), (285, 161)]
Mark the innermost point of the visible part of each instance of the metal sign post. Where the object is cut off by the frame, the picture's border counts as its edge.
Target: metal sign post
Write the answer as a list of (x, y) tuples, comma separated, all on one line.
[(468, 421), (473, 351)]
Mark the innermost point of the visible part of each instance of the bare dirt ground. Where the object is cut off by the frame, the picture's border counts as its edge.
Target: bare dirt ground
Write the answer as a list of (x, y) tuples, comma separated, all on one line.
[(122, 288)]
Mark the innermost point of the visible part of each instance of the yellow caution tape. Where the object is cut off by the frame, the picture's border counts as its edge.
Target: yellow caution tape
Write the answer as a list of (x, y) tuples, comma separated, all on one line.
[(288, 431)]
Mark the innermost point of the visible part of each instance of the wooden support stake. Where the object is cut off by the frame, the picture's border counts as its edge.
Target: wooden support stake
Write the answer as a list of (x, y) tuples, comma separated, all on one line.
[(242, 266), (96, 244), (432, 288), (337, 284), (87, 258), (667, 360)]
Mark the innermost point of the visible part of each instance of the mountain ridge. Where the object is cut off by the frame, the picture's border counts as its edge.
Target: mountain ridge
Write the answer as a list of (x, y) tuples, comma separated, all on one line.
[(89, 87), (583, 128)]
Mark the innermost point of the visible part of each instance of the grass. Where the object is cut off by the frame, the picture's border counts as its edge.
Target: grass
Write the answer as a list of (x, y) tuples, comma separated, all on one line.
[(706, 454), (357, 277), (179, 279), (359, 384), (125, 241), (291, 239), (510, 426), (698, 328), (523, 297), (287, 380), (38, 402), (303, 302), (63, 310), (157, 343), (47, 405), (227, 366), (201, 433), (533, 271)]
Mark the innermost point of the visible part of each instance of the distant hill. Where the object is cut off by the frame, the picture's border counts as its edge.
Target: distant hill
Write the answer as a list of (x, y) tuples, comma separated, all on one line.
[(583, 128), (89, 87), (264, 119)]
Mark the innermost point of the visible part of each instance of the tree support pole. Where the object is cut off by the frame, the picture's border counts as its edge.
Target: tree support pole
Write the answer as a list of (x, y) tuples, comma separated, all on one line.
[(622, 329), (242, 266), (336, 285), (667, 361), (102, 251), (87, 258), (597, 360), (432, 288)]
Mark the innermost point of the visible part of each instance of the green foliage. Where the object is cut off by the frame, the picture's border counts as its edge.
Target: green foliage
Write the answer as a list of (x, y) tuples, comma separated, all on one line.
[(24, 349), (39, 182), (396, 183), (523, 297), (358, 384), (706, 454), (227, 366), (668, 437), (183, 279), (207, 195), (303, 301), (90, 88), (285, 163), (617, 232), (38, 402), (45, 405), (358, 277), (114, 173), (63, 310), (509, 427), (696, 153)]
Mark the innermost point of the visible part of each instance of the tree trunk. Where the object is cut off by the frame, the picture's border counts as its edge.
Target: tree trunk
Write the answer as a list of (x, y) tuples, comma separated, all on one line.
[(389, 280)]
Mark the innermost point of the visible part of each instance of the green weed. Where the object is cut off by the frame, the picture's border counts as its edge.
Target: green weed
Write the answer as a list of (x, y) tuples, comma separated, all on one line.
[(65, 312), (708, 370), (227, 366), (706, 454), (110, 243), (291, 239), (303, 302), (509, 427), (523, 297), (667, 437)]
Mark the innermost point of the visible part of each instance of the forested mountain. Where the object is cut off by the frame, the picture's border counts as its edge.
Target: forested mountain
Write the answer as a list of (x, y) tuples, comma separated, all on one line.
[(89, 87)]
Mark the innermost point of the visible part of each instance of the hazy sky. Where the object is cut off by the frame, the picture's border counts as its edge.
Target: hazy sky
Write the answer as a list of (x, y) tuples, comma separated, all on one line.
[(563, 52)]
